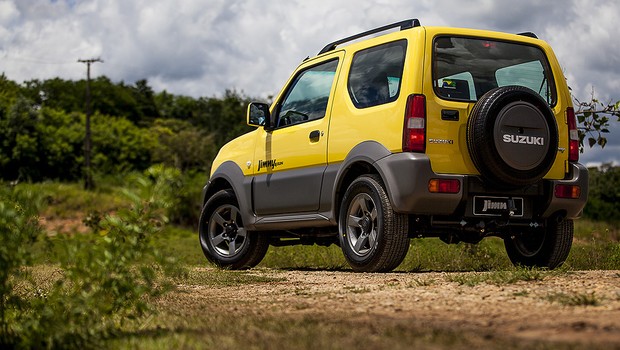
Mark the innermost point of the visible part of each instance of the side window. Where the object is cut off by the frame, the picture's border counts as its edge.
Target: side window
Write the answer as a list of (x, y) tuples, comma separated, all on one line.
[(376, 74), (307, 97)]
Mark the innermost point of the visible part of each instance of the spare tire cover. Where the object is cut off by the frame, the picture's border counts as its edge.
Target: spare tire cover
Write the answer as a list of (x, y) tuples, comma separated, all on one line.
[(512, 136)]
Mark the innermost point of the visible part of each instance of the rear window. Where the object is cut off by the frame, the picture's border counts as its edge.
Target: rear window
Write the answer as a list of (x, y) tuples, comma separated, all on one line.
[(466, 68)]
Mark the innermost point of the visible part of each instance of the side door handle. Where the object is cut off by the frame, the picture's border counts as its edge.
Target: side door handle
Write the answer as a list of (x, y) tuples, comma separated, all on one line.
[(315, 135)]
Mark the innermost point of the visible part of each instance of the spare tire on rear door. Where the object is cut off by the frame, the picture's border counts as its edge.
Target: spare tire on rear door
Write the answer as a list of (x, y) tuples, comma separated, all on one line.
[(512, 136)]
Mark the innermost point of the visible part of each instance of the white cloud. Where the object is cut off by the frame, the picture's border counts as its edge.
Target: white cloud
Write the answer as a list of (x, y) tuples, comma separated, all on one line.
[(201, 48), (585, 44), (204, 47), (8, 13)]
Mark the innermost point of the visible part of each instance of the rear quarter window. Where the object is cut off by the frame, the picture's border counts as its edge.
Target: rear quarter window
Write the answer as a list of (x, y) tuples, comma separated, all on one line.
[(376, 74)]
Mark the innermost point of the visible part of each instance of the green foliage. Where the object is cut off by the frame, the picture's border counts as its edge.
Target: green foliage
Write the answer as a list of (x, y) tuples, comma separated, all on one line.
[(305, 257), (9, 91), (119, 145), (182, 145), (187, 211), (176, 107), (226, 278), (434, 255), (594, 254), (42, 128), (60, 141), (501, 277), (133, 102), (19, 229), (47, 144), (36, 142), (593, 117), (224, 118), (575, 299), (106, 278), (596, 246), (604, 194)]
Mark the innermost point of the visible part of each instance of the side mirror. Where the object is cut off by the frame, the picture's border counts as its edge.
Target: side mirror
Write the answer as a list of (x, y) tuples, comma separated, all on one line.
[(258, 114)]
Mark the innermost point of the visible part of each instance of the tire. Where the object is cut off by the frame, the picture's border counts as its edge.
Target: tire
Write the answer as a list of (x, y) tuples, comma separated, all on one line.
[(547, 248), (372, 236), (512, 136), (223, 239)]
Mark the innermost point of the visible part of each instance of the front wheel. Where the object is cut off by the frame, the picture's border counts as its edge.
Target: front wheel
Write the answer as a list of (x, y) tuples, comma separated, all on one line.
[(223, 238), (372, 236), (546, 248)]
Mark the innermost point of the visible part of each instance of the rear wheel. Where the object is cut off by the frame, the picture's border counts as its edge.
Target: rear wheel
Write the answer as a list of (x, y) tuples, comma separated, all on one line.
[(541, 248), (373, 237), (223, 238)]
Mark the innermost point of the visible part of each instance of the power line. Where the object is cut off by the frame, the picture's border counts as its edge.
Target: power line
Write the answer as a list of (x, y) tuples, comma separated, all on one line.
[(32, 60)]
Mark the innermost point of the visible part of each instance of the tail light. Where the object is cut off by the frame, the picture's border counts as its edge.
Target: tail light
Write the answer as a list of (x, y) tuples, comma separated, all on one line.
[(567, 191), (444, 186), (414, 130), (573, 135)]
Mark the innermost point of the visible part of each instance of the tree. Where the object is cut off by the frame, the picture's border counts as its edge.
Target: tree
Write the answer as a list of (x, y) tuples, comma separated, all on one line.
[(18, 142), (224, 117), (593, 117), (182, 145), (9, 90), (604, 194), (145, 100)]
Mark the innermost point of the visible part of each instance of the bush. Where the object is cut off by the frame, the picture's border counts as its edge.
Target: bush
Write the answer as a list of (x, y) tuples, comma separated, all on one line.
[(19, 228), (106, 278), (187, 210), (604, 194)]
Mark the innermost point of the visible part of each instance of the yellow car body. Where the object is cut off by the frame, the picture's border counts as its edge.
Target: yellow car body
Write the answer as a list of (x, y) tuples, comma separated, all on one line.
[(452, 133)]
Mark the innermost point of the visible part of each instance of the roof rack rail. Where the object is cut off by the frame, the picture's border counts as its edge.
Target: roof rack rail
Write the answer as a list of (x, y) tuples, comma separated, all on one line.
[(410, 23), (529, 34)]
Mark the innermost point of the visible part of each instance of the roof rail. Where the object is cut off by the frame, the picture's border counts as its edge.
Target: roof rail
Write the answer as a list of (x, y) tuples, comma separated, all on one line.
[(529, 34), (410, 23)]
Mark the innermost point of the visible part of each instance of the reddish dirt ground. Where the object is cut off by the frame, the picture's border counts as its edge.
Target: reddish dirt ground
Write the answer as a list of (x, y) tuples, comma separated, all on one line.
[(555, 308)]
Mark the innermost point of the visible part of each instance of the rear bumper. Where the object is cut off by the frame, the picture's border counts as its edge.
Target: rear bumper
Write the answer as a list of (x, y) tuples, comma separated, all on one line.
[(406, 177), (570, 208)]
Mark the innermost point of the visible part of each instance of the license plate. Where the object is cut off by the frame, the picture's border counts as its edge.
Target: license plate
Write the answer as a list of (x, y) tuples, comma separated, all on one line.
[(497, 206)]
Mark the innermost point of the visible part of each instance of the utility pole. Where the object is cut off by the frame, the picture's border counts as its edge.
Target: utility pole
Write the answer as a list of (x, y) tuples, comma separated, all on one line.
[(88, 176)]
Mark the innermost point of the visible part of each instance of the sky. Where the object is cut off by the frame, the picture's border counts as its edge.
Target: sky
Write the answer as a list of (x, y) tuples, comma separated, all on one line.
[(203, 47)]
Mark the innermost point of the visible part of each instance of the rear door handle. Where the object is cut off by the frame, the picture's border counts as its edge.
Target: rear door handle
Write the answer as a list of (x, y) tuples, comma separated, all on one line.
[(315, 135), (448, 114)]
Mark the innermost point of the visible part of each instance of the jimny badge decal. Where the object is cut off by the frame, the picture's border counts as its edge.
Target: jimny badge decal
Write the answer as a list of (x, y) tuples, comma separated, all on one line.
[(268, 164)]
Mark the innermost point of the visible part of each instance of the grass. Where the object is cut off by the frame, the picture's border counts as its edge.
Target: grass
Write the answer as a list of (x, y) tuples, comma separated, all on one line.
[(596, 244), (502, 277), (575, 299), (221, 331), (305, 258), (421, 282), (225, 331), (424, 255), (69, 200), (182, 243), (213, 277), (193, 321), (431, 254)]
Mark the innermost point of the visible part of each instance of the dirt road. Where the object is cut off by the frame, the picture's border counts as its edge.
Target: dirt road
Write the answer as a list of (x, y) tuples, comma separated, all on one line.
[(563, 309)]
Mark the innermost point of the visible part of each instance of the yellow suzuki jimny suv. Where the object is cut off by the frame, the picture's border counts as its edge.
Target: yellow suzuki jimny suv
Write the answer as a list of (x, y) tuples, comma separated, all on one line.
[(420, 132)]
